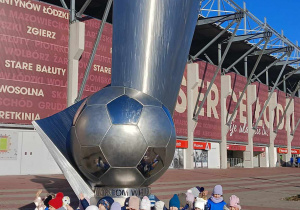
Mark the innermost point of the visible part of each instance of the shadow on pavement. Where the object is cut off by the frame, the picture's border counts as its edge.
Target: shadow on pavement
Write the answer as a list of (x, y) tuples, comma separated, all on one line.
[(52, 185)]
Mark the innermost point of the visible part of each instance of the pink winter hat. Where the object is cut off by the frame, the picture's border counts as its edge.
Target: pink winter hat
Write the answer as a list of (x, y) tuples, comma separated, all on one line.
[(234, 201), (189, 196), (134, 203)]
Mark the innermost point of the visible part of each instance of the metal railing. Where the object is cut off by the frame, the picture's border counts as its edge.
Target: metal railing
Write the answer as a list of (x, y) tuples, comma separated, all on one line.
[(210, 8), (235, 162)]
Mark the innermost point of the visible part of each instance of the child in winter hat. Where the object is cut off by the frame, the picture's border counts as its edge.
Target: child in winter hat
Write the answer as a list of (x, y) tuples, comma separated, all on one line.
[(92, 207), (134, 203), (105, 203), (159, 205), (199, 205), (195, 191), (189, 196), (66, 201), (218, 190), (59, 195), (152, 200), (145, 204), (216, 200), (234, 202), (55, 203), (174, 203), (115, 206)]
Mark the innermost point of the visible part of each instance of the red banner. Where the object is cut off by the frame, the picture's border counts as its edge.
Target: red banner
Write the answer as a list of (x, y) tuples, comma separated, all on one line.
[(180, 113), (281, 138), (236, 147), (209, 123), (238, 128), (202, 145), (296, 117), (285, 151), (262, 134), (34, 58), (182, 144), (282, 150), (259, 149)]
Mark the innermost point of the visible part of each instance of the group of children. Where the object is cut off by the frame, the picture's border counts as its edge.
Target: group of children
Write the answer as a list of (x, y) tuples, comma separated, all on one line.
[(194, 199)]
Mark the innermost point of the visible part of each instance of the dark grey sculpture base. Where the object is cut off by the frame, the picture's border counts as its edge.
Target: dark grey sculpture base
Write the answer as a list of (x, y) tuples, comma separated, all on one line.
[(121, 192)]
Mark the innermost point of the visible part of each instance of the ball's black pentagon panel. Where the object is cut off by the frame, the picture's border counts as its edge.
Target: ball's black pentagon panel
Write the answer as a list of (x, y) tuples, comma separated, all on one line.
[(105, 96), (124, 110)]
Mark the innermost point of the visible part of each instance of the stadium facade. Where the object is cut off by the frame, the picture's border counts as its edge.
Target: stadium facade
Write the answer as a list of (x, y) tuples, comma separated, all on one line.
[(242, 122)]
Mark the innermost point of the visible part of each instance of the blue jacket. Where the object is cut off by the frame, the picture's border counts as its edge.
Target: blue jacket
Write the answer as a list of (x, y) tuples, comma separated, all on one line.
[(84, 203), (215, 206)]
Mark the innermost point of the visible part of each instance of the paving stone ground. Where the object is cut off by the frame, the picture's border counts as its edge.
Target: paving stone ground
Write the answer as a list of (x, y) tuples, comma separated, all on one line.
[(258, 188)]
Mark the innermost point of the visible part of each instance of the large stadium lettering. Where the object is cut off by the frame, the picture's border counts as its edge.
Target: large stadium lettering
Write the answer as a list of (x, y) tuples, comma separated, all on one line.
[(10, 115), (41, 32), (21, 90), (212, 99)]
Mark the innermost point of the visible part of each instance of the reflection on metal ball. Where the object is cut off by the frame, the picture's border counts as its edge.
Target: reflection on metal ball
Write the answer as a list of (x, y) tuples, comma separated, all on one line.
[(122, 137)]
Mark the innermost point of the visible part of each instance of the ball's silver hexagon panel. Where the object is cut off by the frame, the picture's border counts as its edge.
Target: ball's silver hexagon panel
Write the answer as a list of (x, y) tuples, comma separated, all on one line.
[(123, 145), (93, 161), (153, 161), (92, 125), (122, 177), (155, 126), (170, 149)]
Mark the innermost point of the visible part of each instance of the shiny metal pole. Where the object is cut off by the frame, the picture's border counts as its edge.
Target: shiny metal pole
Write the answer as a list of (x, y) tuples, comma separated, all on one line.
[(271, 93), (97, 41), (212, 41), (269, 66), (195, 117), (288, 75), (245, 54), (72, 11), (248, 82), (284, 84), (150, 48), (287, 106), (295, 128)]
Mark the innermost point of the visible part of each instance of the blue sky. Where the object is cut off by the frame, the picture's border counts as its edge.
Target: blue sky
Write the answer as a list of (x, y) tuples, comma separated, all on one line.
[(280, 14)]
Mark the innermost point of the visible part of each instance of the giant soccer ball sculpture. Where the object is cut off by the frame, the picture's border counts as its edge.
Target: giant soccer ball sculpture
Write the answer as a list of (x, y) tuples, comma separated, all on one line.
[(122, 138), (111, 141)]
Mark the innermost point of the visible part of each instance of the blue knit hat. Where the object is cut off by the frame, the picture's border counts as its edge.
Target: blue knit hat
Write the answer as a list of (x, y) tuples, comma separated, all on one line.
[(106, 202), (174, 201), (152, 199)]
